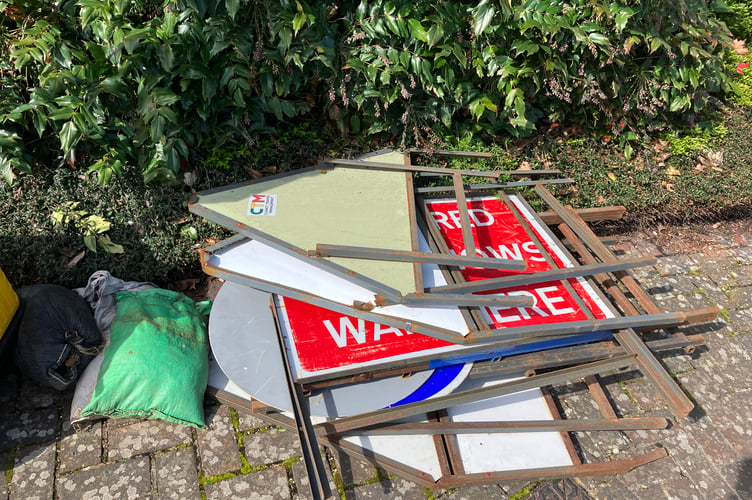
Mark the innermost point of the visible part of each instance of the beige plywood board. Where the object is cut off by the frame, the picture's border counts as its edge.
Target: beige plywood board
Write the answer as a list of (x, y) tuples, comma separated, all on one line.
[(343, 206), (386, 156)]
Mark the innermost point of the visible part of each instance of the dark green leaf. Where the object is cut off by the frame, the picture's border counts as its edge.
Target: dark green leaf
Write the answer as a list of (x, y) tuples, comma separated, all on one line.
[(69, 136), (483, 14), (298, 21), (156, 127), (417, 30), (232, 7)]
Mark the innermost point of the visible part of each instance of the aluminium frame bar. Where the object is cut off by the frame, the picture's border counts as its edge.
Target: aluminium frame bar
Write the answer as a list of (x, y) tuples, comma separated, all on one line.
[(451, 274), (465, 227), (555, 274), (595, 388), (499, 173), (504, 336), (571, 355), (414, 227), (467, 300), (358, 310), (450, 478), (701, 315), (584, 233), (614, 212), (514, 426), (463, 479), (302, 417), (450, 445), (546, 248), (492, 186), (553, 409), (677, 400), (444, 152), (408, 168), (458, 398), (353, 252), (590, 469), (518, 363), (445, 447)]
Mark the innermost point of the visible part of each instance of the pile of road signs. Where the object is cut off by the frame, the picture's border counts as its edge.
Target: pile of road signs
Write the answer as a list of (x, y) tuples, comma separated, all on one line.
[(419, 327)]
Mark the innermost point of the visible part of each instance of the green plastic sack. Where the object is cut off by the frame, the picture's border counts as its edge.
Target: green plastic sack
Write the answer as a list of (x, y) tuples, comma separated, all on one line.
[(157, 363)]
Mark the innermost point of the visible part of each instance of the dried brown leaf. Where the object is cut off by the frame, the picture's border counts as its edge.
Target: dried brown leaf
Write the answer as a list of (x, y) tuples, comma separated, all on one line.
[(189, 178), (739, 47), (709, 159), (660, 146), (673, 172), (185, 285), (255, 174), (75, 260)]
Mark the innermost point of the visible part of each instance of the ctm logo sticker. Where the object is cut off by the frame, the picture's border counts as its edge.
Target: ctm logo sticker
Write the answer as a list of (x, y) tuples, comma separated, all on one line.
[(262, 204)]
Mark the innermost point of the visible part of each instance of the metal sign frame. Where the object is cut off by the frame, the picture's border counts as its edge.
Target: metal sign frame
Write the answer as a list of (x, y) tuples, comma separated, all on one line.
[(597, 267)]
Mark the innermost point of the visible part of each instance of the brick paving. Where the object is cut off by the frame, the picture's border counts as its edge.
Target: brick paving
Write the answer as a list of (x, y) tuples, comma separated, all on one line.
[(239, 456)]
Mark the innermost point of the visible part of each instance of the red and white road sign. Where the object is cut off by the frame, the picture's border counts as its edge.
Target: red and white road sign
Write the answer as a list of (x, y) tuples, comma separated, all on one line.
[(324, 340)]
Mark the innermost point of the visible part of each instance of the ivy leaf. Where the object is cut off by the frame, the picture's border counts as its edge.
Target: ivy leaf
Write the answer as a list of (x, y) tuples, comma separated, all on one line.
[(477, 108), (189, 232), (489, 104), (6, 172), (61, 114), (511, 96), (285, 38), (655, 43)]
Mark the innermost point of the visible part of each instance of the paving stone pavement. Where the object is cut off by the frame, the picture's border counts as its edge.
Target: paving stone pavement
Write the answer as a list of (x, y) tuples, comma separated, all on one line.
[(239, 456)]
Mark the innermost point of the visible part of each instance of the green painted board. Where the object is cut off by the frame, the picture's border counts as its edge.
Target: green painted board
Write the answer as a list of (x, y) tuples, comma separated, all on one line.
[(343, 206)]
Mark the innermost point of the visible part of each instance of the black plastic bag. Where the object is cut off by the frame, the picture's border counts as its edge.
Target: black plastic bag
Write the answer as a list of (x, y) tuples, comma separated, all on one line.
[(57, 335)]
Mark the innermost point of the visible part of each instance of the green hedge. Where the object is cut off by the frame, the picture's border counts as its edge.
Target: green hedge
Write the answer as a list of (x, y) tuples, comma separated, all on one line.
[(738, 18), (117, 84)]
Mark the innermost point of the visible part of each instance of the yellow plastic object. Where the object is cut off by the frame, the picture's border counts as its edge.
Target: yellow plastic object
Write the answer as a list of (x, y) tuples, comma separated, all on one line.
[(8, 303)]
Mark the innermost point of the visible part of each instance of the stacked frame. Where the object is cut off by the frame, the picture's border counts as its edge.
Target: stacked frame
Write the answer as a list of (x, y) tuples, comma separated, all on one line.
[(595, 266)]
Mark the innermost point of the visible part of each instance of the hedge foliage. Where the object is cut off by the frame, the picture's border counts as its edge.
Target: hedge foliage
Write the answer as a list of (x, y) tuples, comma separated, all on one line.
[(116, 84), (738, 18)]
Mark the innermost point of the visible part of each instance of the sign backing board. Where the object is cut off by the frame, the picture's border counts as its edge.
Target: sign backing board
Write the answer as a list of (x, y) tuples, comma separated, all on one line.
[(322, 341), (480, 453), (343, 206)]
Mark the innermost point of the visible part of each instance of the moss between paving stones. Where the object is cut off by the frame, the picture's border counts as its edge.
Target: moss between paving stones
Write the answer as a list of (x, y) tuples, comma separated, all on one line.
[(9, 466), (523, 492)]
